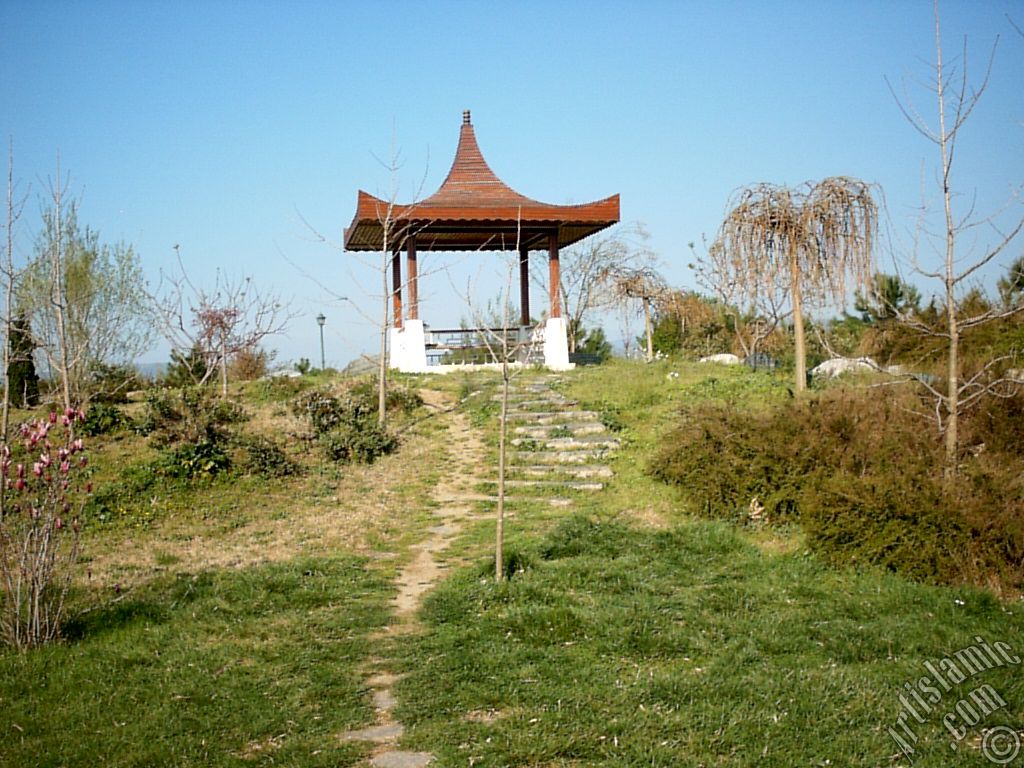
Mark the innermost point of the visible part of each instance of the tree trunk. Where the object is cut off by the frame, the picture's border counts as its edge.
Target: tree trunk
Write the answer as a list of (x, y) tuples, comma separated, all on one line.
[(57, 292), (800, 344), (952, 437), (648, 329), (499, 543), (8, 318), (382, 366), (223, 366)]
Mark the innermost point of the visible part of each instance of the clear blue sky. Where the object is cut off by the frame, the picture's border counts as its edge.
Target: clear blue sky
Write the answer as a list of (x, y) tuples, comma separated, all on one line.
[(220, 125)]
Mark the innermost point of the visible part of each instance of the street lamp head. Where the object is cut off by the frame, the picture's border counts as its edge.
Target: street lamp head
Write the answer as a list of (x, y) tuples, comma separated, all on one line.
[(320, 319)]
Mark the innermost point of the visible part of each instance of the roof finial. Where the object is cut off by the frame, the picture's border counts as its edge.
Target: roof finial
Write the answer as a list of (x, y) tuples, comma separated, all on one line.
[(465, 117)]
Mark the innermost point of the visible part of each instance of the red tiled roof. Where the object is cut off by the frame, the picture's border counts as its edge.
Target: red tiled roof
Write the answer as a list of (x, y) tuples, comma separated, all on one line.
[(475, 210)]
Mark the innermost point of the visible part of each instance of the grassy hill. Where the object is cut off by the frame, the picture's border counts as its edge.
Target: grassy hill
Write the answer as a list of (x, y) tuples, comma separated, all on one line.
[(231, 619)]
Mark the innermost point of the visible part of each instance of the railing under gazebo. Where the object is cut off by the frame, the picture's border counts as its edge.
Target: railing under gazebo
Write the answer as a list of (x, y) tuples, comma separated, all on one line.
[(484, 346)]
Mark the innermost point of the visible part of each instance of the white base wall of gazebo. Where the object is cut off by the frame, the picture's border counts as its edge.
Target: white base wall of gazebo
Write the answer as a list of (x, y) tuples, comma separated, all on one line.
[(408, 349), (556, 345)]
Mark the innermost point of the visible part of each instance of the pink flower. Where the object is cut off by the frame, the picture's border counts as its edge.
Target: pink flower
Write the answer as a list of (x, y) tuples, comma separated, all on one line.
[(20, 470), (53, 417), (37, 469), (65, 467)]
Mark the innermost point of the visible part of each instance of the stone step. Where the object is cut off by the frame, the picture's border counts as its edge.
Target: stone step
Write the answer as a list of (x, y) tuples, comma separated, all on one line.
[(568, 485), (511, 499), (553, 417), (556, 458), (569, 429), (534, 403), (582, 471), (583, 442)]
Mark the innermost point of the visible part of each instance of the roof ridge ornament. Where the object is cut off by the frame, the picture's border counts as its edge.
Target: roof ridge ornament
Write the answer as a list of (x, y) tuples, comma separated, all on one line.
[(465, 117)]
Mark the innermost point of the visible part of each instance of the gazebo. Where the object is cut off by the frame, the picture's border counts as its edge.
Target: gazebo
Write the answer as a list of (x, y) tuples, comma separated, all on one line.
[(473, 210)]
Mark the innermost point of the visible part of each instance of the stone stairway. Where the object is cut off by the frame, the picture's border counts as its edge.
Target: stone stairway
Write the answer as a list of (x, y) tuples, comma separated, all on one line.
[(556, 449)]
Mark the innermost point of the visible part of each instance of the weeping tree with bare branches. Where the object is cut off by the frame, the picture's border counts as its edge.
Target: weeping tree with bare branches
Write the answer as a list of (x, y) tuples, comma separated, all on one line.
[(754, 315), (641, 284), (816, 240)]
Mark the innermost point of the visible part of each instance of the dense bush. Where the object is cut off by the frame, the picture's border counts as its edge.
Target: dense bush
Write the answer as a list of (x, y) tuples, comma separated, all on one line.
[(327, 411), (206, 458), (249, 364), (346, 422), (398, 399), (361, 442), (188, 415), (104, 419), (264, 457), (862, 473)]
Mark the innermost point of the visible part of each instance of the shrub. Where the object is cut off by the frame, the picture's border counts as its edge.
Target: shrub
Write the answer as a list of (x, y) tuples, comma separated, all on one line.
[(347, 423), (265, 458), (327, 411), (188, 415), (104, 419), (399, 399), (361, 442), (862, 473), (249, 364), (725, 457), (204, 459)]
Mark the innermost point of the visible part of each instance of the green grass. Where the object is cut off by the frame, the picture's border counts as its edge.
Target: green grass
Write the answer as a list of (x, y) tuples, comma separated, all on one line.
[(251, 667), (614, 643), (690, 646)]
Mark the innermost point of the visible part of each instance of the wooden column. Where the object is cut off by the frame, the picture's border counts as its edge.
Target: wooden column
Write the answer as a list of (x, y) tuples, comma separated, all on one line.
[(410, 263), (396, 286), (524, 285), (554, 276)]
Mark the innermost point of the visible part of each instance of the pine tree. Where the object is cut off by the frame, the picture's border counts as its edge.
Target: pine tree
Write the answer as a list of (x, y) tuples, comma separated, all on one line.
[(21, 368)]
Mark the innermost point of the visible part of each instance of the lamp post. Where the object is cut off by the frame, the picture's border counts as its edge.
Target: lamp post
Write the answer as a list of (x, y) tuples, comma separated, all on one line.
[(320, 320)]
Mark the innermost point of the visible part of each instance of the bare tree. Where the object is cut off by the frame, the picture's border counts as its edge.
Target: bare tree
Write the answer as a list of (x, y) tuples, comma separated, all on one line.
[(394, 220), (15, 206), (755, 301), (638, 283), (506, 345), (812, 240), (54, 256), (955, 100), (85, 299), (583, 282), (233, 317)]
